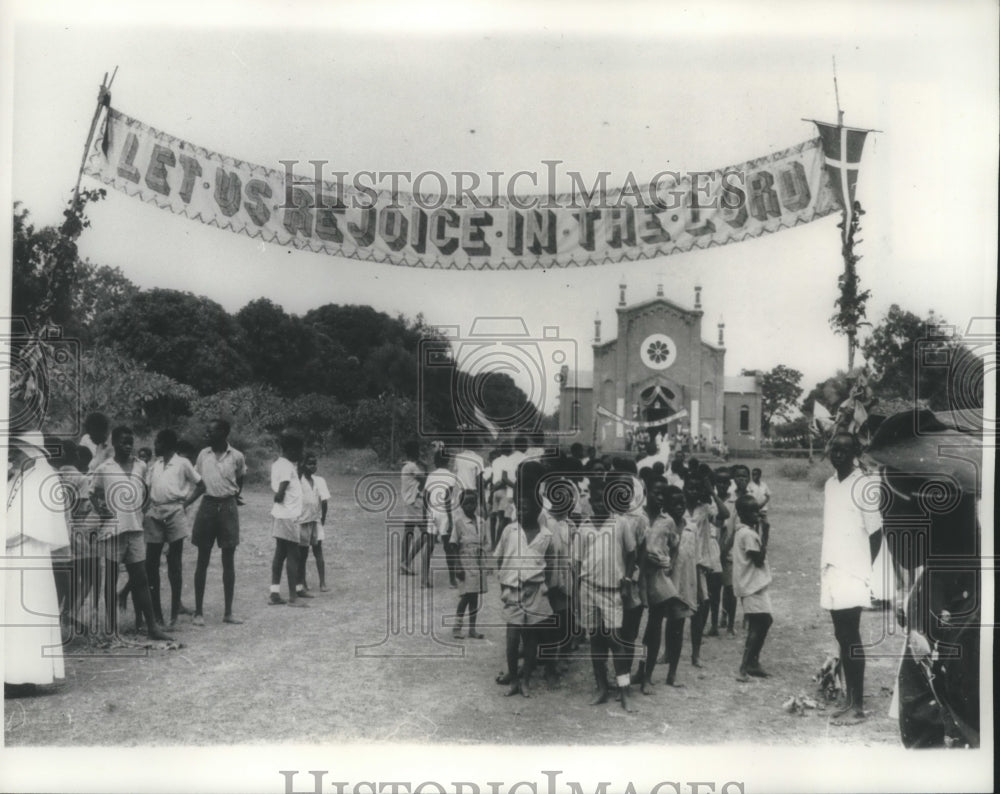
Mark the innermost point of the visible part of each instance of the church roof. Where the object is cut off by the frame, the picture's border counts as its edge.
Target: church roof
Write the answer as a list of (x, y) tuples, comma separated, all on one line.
[(740, 383), (632, 307), (642, 304)]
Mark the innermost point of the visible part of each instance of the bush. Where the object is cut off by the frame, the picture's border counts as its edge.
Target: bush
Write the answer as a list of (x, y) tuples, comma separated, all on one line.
[(353, 461), (820, 474), (253, 409), (793, 470), (103, 379), (318, 417), (382, 424)]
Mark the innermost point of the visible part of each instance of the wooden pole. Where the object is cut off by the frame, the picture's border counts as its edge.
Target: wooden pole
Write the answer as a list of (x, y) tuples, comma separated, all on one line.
[(102, 93), (836, 94)]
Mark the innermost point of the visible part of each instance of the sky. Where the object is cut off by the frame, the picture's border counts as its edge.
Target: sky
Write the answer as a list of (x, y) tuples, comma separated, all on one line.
[(639, 88)]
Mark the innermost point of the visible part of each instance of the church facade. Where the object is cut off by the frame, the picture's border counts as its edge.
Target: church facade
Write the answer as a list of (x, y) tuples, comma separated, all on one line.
[(659, 375)]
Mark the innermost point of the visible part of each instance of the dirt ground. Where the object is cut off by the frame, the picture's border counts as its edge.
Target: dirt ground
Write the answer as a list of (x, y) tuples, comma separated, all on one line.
[(347, 668)]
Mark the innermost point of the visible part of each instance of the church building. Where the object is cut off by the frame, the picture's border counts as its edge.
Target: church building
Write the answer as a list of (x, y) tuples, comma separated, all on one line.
[(658, 375)]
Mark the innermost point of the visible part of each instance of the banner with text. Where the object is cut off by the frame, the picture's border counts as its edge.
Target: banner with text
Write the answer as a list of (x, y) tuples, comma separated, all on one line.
[(358, 218)]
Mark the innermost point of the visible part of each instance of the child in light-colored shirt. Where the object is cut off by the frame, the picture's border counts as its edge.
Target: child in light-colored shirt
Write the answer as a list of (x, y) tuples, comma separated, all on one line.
[(524, 563), (751, 580), (315, 501), (285, 514), (469, 536)]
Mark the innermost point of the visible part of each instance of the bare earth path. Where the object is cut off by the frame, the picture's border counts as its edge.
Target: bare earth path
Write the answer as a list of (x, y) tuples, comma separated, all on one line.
[(299, 675)]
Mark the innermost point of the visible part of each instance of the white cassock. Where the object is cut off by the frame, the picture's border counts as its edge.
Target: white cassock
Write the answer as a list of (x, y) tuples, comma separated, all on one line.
[(34, 526)]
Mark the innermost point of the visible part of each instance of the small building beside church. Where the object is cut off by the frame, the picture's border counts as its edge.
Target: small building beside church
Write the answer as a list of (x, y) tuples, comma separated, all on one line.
[(658, 375)]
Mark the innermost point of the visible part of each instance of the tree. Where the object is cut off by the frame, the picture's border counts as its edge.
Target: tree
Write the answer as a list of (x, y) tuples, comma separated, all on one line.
[(791, 435), (190, 338), (105, 380), (830, 393), (923, 361), (780, 391), (45, 263), (98, 289), (852, 302)]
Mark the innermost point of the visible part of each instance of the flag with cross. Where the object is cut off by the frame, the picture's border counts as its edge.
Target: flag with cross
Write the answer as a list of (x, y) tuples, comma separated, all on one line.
[(842, 148)]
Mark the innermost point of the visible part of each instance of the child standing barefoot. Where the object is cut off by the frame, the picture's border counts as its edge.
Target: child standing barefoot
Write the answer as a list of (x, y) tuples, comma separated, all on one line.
[(315, 502), (751, 578), (607, 552), (285, 525), (468, 535), (524, 560)]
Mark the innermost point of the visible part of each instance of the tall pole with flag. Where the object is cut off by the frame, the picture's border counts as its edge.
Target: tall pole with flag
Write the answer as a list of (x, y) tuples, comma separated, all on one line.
[(842, 147), (103, 104)]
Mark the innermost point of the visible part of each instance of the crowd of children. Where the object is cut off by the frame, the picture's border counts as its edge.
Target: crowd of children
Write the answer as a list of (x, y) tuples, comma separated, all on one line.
[(586, 548), (127, 506)]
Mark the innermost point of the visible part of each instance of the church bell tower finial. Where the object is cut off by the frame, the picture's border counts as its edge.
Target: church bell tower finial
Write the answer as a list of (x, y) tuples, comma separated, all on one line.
[(597, 328), (659, 284), (621, 292), (697, 297), (722, 328)]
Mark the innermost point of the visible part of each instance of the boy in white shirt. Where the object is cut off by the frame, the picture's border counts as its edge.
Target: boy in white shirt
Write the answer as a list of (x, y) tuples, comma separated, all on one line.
[(758, 489), (118, 495), (285, 522), (751, 582), (443, 491), (173, 485), (315, 501), (852, 536)]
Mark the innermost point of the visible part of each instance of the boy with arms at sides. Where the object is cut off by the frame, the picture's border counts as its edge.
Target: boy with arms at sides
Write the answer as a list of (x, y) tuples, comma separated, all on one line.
[(758, 489), (442, 492), (222, 469), (174, 486), (852, 536), (560, 498), (285, 522), (524, 561), (751, 581), (607, 553), (469, 537), (741, 480), (85, 529), (664, 599), (717, 577), (702, 506), (411, 488), (501, 491), (118, 495), (315, 502), (95, 439)]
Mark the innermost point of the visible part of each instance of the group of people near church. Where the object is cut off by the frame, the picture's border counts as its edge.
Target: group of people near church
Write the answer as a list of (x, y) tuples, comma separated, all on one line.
[(86, 508), (587, 548)]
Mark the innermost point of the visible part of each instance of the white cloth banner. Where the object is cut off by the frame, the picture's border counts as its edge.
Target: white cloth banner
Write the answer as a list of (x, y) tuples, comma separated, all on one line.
[(667, 214)]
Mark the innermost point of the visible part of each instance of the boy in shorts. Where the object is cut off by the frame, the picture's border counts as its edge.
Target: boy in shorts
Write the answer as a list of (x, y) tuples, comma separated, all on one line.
[(118, 496), (222, 469), (174, 486), (751, 579), (315, 501), (285, 514)]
